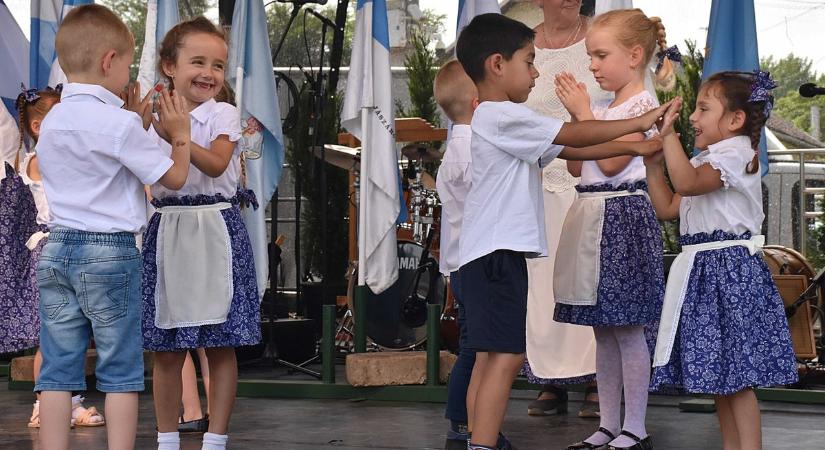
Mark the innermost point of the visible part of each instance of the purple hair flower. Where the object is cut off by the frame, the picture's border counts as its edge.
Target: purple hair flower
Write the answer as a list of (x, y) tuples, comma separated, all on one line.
[(761, 86)]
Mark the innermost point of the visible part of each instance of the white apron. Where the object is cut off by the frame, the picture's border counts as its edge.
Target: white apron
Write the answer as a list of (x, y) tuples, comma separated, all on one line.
[(677, 286), (555, 350), (578, 260), (194, 266)]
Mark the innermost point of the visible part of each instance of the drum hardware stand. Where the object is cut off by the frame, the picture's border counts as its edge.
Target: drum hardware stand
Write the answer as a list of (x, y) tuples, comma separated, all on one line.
[(412, 308)]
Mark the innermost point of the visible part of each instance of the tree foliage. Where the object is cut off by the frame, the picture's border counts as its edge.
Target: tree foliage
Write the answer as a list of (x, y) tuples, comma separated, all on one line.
[(133, 13), (790, 72)]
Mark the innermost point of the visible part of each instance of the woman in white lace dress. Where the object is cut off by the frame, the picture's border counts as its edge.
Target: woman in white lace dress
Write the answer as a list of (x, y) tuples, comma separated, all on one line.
[(558, 354)]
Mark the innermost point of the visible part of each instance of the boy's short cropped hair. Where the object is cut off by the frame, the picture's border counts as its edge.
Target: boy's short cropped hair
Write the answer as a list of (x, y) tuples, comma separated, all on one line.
[(86, 34), (488, 34), (454, 90)]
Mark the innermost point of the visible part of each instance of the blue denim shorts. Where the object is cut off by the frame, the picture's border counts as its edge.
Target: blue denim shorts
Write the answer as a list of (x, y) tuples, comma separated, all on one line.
[(90, 285)]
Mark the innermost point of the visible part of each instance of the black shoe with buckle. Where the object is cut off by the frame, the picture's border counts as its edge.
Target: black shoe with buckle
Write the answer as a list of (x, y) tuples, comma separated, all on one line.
[(584, 445), (641, 444)]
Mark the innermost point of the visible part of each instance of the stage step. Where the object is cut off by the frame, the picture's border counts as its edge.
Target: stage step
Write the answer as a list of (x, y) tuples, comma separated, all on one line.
[(22, 367), (394, 368)]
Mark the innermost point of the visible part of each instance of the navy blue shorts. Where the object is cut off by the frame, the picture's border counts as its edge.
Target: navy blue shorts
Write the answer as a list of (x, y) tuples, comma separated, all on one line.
[(494, 295)]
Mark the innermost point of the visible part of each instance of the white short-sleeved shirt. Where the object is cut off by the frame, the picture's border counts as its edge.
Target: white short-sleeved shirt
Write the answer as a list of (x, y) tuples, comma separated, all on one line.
[(95, 158), (453, 183), (208, 121), (504, 208), (36, 188), (737, 207), (635, 106)]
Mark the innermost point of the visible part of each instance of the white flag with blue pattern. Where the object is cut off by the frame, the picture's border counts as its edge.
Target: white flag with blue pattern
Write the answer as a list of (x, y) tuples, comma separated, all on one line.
[(46, 16), (161, 16), (368, 115)]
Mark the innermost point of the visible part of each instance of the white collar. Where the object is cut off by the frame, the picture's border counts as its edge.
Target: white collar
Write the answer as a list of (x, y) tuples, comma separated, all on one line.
[(735, 142), (95, 90), (204, 111), (461, 130)]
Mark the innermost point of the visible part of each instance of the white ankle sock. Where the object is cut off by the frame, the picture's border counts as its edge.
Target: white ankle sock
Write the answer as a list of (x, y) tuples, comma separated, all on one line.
[(212, 441), (169, 441)]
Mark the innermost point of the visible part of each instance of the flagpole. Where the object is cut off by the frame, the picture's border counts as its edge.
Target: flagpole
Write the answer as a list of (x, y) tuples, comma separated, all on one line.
[(359, 315)]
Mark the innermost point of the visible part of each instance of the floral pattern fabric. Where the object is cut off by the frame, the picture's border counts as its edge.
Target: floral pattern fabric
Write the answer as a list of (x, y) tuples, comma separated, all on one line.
[(732, 333), (631, 285), (242, 326), (19, 320)]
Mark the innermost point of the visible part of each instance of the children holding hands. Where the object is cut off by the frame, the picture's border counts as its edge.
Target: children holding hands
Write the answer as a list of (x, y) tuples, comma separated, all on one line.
[(503, 214)]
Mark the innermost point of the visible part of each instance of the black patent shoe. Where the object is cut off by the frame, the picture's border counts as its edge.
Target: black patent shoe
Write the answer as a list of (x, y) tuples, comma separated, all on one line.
[(583, 445), (194, 426), (641, 444)]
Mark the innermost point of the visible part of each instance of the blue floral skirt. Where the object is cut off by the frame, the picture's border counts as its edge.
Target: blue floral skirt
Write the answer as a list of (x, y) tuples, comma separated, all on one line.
[(631, 285), (732, 332), (19, 311), (533, 379), (242, 326)]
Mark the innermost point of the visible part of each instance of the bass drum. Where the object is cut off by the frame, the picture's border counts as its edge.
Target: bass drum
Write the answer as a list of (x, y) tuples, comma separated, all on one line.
[(397, 318)]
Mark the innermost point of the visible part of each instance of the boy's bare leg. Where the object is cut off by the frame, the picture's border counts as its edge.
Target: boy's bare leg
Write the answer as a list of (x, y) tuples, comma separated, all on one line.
[(121, 419), (223, 370), (493, 393), (472, 388), (55, 419), (748, 419), (166, 389)]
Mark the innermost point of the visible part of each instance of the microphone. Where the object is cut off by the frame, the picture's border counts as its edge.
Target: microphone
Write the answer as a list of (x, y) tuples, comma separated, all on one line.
[(321, 17), (810, 90), (303, 2)]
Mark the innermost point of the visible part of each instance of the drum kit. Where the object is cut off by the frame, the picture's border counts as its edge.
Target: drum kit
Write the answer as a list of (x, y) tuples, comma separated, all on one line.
[(396, 318)]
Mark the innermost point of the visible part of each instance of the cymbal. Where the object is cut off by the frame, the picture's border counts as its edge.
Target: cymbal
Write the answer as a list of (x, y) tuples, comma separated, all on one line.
[(421, 151), (347, 158)]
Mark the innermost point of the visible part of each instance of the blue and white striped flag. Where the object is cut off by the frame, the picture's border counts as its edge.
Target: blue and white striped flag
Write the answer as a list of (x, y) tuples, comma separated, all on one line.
[(368, 115), (467, 9), (46, 16), (733, 45), (161, 16), (14, 50), (250, 71)]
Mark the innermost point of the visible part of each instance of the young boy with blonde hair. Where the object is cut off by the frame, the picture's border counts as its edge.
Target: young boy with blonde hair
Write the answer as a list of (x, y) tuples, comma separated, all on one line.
[(504, 211), (95, 158), (456, 94)]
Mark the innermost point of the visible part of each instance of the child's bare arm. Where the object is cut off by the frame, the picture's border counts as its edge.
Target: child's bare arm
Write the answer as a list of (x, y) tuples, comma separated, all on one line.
[(175, 119), (612, 149), (664, 201), (213, 161), (592, 132), (688, 180)]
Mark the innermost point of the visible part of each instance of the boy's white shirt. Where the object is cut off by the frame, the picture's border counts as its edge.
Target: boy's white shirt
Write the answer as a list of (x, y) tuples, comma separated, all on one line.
[(504, 209), (453, 184), (95, 158)]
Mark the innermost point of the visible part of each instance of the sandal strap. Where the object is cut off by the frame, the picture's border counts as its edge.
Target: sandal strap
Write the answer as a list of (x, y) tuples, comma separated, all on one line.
[(607, 433), (630, 435), (86, 416)]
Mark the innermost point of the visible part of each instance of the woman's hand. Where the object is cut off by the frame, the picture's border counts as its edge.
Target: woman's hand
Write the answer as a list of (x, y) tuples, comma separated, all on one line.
[(133, 102), (573, 96)]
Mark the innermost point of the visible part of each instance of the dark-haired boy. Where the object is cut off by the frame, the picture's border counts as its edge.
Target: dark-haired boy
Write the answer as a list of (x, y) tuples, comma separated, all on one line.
[(504, 211)]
